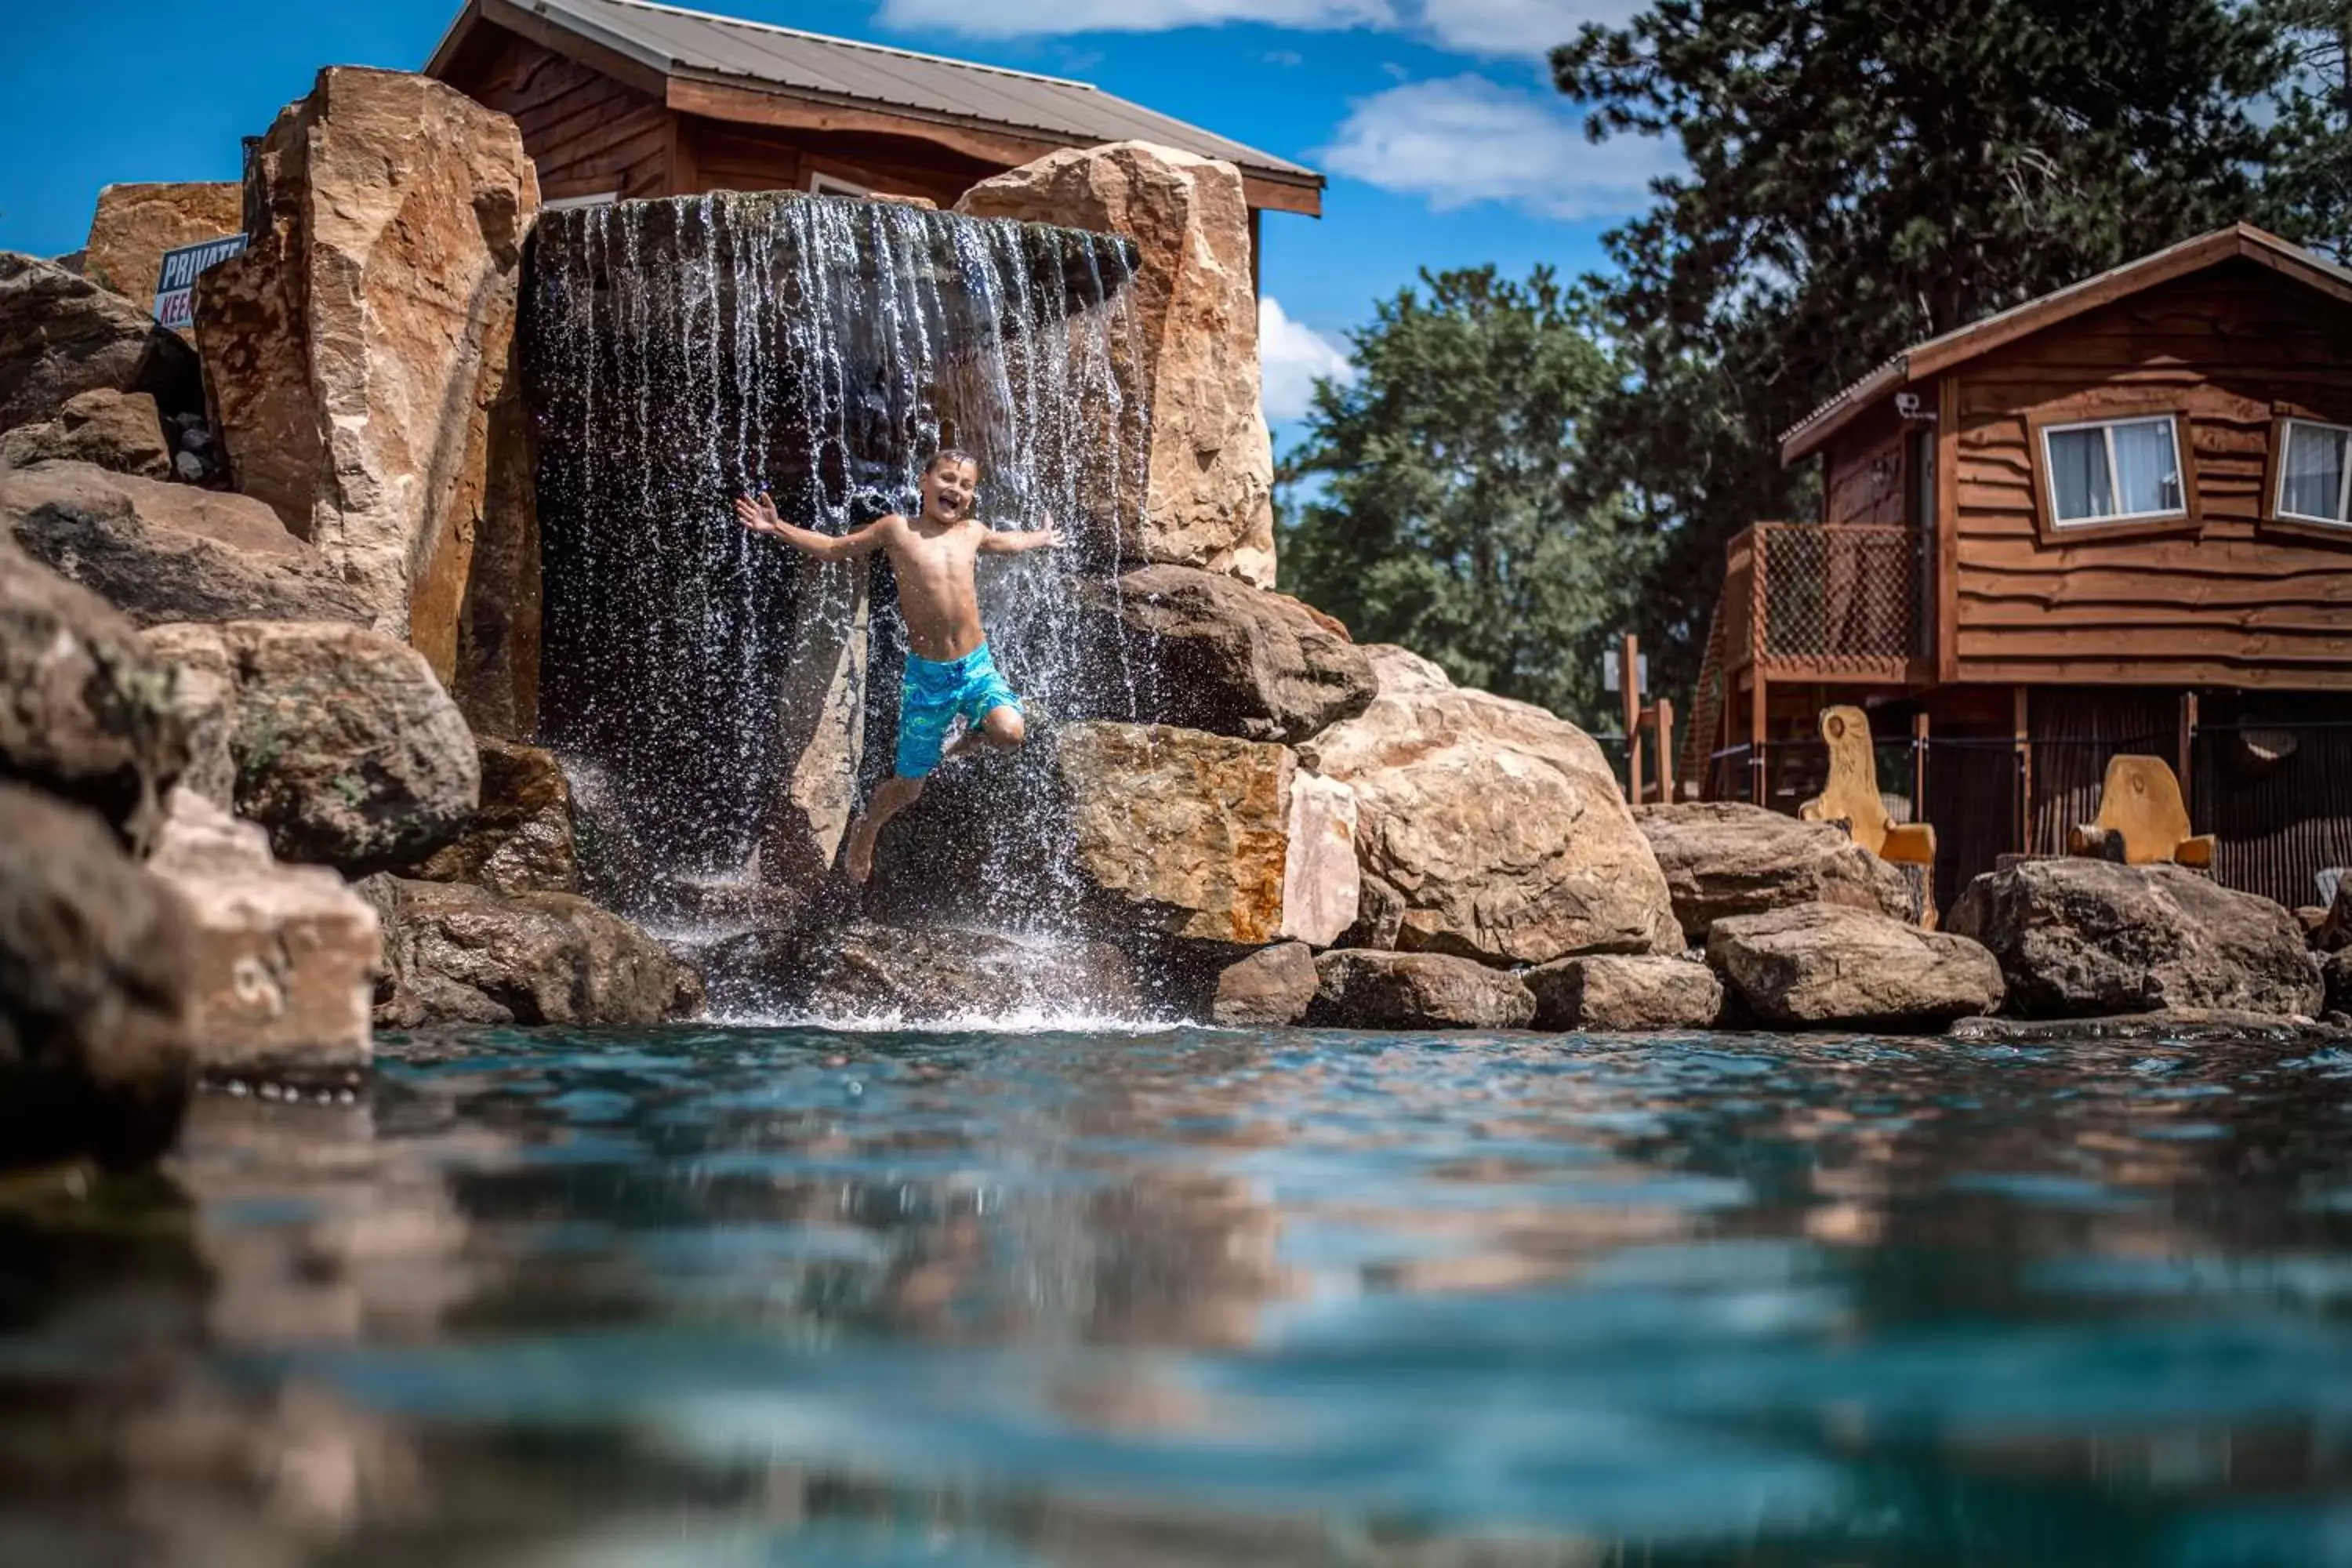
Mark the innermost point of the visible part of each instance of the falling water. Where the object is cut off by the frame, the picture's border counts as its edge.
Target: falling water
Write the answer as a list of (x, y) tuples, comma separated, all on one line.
[(687, 352)]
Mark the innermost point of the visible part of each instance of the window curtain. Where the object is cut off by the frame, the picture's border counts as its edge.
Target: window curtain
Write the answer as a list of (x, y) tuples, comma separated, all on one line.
[(2314, 481), (2078, 474), (2147, 468)]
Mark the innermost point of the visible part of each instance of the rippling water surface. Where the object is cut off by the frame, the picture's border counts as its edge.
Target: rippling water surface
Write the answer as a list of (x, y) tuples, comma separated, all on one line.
[(755, 1297)]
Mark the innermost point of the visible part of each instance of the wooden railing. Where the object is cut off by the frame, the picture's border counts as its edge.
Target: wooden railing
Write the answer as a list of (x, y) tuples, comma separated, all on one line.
[(1814, 601)]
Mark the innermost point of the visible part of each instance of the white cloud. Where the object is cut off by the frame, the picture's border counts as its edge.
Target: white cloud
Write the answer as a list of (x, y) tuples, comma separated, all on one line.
[(1290, 357), (1025, 18), (1467, 140), (1518, 26)]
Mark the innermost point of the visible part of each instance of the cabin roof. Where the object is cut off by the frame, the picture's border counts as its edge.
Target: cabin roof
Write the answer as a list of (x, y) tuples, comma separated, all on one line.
[(1936, 355), (678, 43)]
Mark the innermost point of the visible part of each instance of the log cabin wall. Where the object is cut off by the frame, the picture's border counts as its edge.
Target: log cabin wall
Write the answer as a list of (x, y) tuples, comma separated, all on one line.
[(2225, 601), (1862, 471), (588, 134)]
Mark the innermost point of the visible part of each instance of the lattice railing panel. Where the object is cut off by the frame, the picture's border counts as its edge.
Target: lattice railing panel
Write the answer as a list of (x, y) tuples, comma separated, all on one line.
[(1842, 596)]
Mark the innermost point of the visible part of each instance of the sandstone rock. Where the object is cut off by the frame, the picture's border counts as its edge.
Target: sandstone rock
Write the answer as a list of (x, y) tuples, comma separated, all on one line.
[(1206, 837), (95, 973), (1498, 826), (2335, 932), (1622, 994), (1270, 989), (337, 740), (86, 712), (2336, 975), (115, 430), (520, 840), (861, 972), (1829, 963), (456, 954), (1724, 858), (136, 224), (163, 552), (356, 349), (1209, 498), (61, 335), (2079, 938), (1356, 990), (821, 728), (1211, 653), (286, 956)]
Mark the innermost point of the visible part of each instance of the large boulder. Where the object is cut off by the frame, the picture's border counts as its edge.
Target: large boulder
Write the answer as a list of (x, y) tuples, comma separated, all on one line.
[(95, 975), (1362, 990), (1147, 831), (820, 728), (521, 839), (286, 955), (87, 711), (458, 954), (1211, 653), (1624, 993), (1830, 964), (2336, 975), (61, 335), (861, 972), (1493, 829), (356, 349), (336, 739), (163, 552), (135, 224), (120, 431), (1193, 355), (2082, 937), (1724, 858), (1270, 989)]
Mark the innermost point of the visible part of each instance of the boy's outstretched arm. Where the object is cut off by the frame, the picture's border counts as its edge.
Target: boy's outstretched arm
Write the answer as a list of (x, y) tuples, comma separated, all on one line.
[(760, 516), (1013, 544)]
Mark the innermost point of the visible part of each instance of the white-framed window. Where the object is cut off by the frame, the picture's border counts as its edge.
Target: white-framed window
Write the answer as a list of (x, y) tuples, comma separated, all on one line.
[(831, 185), (2113, 470), (2314, 472)]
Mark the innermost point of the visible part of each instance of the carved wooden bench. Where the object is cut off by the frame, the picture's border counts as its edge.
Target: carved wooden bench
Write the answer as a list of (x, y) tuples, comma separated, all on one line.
[(1852, 797), (2142, 819)]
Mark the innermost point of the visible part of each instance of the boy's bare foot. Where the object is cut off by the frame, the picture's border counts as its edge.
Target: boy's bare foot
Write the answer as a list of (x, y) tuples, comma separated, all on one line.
[(859, 855)]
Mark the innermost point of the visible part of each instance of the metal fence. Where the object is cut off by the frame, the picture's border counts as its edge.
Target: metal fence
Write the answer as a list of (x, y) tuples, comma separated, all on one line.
[(2278, 796)]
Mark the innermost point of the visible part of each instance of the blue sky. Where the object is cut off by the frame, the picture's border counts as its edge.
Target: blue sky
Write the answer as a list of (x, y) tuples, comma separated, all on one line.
[(1434, 118)]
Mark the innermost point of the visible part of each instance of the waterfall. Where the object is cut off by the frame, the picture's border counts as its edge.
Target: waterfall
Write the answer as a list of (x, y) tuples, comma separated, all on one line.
[(729, 697)]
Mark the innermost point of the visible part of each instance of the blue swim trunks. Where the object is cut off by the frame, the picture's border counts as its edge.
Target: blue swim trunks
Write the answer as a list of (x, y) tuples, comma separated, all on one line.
[(934, 693)]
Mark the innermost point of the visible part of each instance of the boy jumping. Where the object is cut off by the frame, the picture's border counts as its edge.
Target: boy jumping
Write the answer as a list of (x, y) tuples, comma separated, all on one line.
[(948, 670)]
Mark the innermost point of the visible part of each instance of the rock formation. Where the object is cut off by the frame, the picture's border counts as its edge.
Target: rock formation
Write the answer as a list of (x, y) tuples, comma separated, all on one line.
[(357, 348), (136, 224), (1359, 990), (1492, 829), (2081, 938), (117, 430), (61, 335), (164, 553), (521, 838), (457, 954), (1271, 989), (285, 956), (1829, 963), (1722, 859), (336, 739), (95, 977), (88, 712), (862, 971), (1209, 652), (1208, 502), (1624, 993)]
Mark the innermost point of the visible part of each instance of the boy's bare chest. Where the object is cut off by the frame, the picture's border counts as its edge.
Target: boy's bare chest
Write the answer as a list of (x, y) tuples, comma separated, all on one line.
[(939, 558)]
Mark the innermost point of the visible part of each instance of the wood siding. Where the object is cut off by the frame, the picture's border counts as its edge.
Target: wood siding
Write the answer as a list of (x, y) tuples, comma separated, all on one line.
[(587, 132), (2228, 602), (748, 158), (1862, 481)]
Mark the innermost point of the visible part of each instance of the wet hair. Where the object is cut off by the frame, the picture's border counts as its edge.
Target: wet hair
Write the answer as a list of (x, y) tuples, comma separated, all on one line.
[(952, 454)]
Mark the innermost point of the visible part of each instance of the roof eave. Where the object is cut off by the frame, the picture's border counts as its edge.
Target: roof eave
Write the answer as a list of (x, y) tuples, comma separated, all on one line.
[(1842, 410)]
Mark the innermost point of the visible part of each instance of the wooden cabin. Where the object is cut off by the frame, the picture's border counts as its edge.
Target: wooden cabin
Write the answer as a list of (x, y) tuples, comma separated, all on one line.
[(625, 99), (2116, 519)]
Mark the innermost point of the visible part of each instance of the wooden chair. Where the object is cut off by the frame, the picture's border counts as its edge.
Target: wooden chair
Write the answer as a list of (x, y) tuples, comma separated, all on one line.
[(1852, 794), (2142, 821)]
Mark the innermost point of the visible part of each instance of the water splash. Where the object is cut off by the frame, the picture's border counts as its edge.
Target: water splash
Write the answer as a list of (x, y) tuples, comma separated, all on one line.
[(687, 351)]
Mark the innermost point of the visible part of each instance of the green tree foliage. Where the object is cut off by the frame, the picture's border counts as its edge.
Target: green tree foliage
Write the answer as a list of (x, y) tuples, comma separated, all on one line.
[(2312, 174), (1435, 505), (1863, 174)]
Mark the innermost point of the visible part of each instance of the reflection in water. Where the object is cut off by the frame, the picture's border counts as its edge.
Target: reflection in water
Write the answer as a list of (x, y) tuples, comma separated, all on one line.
[(751, 1296)]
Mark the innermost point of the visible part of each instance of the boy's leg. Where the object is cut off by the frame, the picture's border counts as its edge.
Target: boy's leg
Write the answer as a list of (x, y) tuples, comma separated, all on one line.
[(891, 796), (1003, 729)]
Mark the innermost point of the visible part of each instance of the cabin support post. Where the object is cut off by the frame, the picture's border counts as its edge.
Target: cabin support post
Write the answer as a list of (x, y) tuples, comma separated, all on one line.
[(2020, 709), (1756, 711), (1919, 766), (1665, 726), (1629, 691), (2188, 752)]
